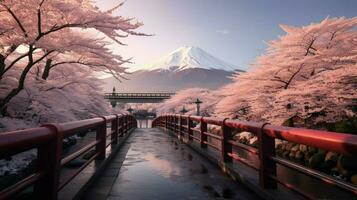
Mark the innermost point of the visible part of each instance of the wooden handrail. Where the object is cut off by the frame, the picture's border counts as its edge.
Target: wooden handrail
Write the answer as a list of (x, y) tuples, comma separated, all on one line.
[(266, 133), (48, 140)]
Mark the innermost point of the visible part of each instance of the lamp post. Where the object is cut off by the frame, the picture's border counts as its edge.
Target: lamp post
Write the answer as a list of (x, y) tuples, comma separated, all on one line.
[(113, 90), (112, 100), (183, 111), (198, 102)]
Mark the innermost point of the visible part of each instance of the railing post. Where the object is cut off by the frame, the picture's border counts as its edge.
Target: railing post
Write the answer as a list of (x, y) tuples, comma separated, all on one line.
[(49, 162), (203, 136), (189, 128), (127, 121), (266, 148), (132, 123), (125, 124), (225, 145), (175, 124), (181, 127), (101, 136), (121, 125), (172, 127), (170, 124), (166, 123), (114, 136), (129, 124)]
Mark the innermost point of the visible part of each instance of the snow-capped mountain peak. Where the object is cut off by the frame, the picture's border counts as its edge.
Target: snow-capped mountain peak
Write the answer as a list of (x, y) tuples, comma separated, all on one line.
[(185, 58)]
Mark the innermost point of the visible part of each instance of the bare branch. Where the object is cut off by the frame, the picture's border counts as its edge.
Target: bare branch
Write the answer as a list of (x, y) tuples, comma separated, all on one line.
[(14, 62)]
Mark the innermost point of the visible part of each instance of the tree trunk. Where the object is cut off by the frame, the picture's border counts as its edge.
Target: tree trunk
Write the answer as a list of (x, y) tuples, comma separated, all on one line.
[(46, 71), (20, 86), (15, 91)]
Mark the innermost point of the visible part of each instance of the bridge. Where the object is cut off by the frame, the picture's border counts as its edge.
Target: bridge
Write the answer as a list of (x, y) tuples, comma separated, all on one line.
[(127, 97), (181, 157)]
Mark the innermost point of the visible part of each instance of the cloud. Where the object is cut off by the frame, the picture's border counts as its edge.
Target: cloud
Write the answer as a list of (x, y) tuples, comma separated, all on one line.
[(223, 31)]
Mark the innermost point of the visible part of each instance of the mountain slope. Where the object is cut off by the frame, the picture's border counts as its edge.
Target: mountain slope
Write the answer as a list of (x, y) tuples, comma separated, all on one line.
[(185, 67), (186, 58)]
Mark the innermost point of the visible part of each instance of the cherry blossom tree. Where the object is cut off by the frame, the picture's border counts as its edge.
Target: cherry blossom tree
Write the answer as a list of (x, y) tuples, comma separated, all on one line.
[(72, 93), (37, 32), (310, 72), (186, 98)]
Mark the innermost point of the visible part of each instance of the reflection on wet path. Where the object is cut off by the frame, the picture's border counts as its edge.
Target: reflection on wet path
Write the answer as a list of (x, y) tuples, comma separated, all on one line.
[(158, 166)]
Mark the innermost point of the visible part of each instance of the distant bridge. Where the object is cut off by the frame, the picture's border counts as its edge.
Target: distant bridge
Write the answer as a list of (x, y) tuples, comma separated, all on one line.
[(127, 97)]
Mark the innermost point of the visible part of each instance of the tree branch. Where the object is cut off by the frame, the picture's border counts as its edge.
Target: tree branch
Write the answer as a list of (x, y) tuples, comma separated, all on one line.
[(43, 56), (16, 19), (13, 63), (310, 47), (292, 77)]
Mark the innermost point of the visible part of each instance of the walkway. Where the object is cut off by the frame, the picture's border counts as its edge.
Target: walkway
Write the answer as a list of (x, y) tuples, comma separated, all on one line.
[(154, 165)]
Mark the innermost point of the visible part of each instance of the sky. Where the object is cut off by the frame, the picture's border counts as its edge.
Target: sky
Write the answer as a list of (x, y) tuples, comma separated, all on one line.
[(235, 31)]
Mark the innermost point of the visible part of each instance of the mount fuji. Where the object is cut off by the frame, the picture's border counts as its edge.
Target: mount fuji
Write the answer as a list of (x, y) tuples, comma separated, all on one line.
[(186, 67)]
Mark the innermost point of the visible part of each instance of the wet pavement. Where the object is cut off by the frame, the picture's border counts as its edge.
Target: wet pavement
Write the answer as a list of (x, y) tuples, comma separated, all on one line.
[(154, 165)]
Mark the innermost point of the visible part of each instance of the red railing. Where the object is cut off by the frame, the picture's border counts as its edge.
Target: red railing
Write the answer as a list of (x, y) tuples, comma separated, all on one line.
[(48, 140), (266, 133)]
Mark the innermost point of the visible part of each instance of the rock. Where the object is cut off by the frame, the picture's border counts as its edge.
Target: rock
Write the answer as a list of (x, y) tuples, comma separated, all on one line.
[(333, 156), (299, 155), (311, 150), (282, 146), (303, 148), (292, 155), (347, 162), (307, 156), (289, 146), (286, 154), (316, 160), (253, 142), (295, 148), (278, 146), (353, 179)]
